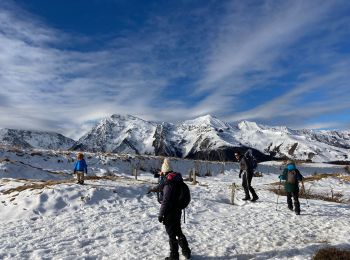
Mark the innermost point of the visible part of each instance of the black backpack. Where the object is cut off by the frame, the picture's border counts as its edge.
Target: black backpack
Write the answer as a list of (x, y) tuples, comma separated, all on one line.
[(250, 159), (184, 195)]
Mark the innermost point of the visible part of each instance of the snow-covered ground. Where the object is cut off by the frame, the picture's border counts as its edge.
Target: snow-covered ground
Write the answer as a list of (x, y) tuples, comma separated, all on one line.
[(115, 218)]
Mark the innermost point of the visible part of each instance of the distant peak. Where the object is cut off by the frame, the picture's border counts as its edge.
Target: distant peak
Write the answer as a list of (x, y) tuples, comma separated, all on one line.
[(206, 120), (248, 125), (123, 117)]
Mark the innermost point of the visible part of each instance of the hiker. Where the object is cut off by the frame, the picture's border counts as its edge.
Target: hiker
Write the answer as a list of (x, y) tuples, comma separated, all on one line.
[(80, 168), (247, 177), (292, 177), (170, 212)]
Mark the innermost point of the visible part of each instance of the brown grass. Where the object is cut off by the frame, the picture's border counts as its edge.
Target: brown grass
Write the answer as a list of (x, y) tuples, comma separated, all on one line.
[(320, 176), (45, 184), (333, 197), (345, 178), (332, 253)]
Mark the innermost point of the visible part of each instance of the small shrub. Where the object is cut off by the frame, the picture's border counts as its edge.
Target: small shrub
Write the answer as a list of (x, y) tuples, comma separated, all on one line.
[(332, 253)]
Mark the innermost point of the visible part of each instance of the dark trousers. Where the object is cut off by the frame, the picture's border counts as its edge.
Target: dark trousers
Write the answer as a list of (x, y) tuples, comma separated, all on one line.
[(176, 237), (246, 183), (295, 195)]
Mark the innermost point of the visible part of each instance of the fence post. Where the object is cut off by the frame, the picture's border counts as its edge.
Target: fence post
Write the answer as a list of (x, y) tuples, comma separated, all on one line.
[(135, 173), (233, 191), (194, 181)]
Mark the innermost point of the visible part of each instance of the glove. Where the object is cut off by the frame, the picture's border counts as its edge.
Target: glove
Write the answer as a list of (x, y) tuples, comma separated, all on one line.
[(149, 191), (240, 175), (160, 219)]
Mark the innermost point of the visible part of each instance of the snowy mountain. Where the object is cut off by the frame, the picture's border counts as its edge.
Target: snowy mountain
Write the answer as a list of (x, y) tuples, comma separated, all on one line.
[(126, 134), (34, 139), (209, 138)]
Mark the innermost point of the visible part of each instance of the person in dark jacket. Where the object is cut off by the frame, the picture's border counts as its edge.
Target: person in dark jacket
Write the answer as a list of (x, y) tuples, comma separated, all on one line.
[(292, 177), (247, 177), (170, 213), (80, 168)]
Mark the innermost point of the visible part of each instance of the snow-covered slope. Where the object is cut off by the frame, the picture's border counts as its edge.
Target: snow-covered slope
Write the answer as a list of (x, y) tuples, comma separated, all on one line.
[(207, 137), (34, 139), (114, 218)]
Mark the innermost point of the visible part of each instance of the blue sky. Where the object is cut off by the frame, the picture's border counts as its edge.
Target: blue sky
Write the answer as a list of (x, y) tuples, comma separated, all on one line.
[(65, 64)]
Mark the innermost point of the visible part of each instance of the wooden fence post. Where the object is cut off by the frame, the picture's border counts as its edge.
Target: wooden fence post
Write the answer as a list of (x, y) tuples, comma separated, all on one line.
[(233, 191), (135, 173), (194, 181)]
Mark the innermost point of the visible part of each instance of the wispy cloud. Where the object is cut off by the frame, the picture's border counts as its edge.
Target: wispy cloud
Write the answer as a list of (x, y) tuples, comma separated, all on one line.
[(208, 59)]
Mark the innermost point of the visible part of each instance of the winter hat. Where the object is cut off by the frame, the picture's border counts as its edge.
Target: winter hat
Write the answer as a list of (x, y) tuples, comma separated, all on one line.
[(166, 167), (291, 167)]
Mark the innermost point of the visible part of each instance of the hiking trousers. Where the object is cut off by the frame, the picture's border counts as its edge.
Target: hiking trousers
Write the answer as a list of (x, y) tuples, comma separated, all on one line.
[(80, 176), (246, 183), (295, 195), (176, 237)]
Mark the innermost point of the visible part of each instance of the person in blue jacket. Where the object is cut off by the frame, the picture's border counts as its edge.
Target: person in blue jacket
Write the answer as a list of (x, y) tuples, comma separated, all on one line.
[(291, 177), (80, 168)]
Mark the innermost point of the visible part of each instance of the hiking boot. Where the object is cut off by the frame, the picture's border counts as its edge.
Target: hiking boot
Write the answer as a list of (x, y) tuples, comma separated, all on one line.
[(290, 208), (246, 198), (186, 251), (172, 257), (187, 255), (255, 198), (297, 212)]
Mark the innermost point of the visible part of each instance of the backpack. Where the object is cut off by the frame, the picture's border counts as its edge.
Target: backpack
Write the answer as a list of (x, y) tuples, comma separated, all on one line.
[(184, 195), (291, 177), (250, 159)]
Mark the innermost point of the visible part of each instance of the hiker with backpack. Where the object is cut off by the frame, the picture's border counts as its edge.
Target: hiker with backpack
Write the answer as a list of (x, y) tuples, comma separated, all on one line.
[(172, 203), (292, 177), (246, 167), (80, 168)]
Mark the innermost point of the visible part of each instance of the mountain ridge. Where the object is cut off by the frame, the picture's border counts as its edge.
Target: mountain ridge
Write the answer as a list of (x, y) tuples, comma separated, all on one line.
[(205, 137), (210, 138)]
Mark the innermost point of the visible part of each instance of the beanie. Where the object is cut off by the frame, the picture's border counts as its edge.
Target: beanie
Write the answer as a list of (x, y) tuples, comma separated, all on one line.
[(166, 167), (291, 167)]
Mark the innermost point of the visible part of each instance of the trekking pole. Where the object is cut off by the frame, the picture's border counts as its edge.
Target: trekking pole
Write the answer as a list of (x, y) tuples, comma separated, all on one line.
[(278, 194), (307, 202)]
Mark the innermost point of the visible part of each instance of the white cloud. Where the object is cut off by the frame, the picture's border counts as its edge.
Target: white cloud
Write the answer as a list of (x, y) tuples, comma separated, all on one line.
[(45, 86)]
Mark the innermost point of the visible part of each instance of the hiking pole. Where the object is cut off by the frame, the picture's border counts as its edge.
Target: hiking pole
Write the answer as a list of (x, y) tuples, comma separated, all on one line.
[(278, 194), (307, 202)]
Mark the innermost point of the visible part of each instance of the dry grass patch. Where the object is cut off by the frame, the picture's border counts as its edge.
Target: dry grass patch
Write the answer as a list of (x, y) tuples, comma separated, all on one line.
[(333, 197), (320, 176), (45, 184), (345, 178), (331, 253)]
